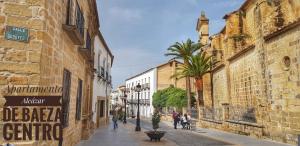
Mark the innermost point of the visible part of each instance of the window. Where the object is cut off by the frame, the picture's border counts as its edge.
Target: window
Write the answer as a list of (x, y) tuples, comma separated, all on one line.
[(99, 55), (104, 64), (79, 21), (102, 102), (70, 11), (78, 100), (88, 41), (66, 97)]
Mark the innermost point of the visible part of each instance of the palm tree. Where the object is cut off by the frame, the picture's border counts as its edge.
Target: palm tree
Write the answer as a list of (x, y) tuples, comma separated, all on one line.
[(197, 66), (183, 51)]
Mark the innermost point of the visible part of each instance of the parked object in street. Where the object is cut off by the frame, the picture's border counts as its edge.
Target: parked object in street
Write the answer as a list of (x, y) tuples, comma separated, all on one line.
[(155, 135)]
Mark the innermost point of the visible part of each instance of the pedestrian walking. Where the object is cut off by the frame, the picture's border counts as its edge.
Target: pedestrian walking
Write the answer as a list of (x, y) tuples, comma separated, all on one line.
[(187, 124), (175, 119), (184, 120), (115, 121)]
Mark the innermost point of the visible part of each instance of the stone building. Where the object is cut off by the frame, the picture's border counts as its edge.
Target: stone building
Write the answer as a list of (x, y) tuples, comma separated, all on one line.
[(254, 89), (164, 73), (102, 85), (117, 98), (59, 52), (147, 80), (154, 79)]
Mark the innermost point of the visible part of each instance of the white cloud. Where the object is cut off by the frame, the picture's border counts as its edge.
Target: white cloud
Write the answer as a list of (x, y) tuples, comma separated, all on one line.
[(131, 61), (125, 13), (226, 3)]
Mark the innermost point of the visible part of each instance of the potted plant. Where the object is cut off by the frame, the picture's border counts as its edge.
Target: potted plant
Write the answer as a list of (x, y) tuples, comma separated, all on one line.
[(155, 134)]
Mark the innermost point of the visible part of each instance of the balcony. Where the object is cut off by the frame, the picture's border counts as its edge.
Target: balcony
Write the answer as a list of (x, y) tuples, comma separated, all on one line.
[(109, 80), (87, 49), (102, 72), (106, 76), (74, 26), (132, 88), (147, 101), (147, 85)]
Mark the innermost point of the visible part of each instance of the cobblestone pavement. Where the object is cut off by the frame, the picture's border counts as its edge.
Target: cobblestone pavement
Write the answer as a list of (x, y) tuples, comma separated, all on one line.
[(126, 136), (123, 136), (240, 140), (183, 137)]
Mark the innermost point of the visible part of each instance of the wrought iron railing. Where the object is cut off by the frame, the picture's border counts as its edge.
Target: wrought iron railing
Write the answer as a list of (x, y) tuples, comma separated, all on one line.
[(194, 113), (88, 42), (240, 113), (213, 113), (80, 21), (70, 13), (102, 72), (75, 17), (147, 86), (106, 76)]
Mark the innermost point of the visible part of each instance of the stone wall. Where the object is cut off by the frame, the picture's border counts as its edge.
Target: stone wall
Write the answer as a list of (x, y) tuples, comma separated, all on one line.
[(283, 57), (20, 62), (164, 74), (256, 83), (49, 51)]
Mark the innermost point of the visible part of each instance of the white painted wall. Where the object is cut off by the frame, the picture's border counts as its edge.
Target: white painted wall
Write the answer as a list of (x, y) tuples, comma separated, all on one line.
[(100, 87), (149, 76)]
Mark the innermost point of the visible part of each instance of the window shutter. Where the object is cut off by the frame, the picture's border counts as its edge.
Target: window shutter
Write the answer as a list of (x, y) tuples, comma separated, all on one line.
[(102, 108), (66, 98), (78, 100)]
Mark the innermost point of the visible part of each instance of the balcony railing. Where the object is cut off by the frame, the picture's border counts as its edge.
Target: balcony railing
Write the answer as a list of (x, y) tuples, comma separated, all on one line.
[(106, 76), (147, 85), (102, 72), (142, 101), (87, 49), (80, 21), (74, 25)]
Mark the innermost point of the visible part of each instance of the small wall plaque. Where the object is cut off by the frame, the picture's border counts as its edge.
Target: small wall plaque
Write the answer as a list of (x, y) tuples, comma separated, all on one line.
[(16, 34)]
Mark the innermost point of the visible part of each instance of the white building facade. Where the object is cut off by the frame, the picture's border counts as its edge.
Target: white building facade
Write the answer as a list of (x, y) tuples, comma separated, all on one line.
[(117, 98), (102, 83), (147, 80)]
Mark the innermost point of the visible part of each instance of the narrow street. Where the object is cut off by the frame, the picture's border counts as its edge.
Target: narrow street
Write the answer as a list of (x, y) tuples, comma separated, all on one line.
[(183, 137), (125, 135)]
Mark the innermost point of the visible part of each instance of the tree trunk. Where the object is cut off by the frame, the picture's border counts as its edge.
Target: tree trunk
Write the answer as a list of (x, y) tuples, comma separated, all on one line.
[(188, 89), (188, 92), (199, 99)]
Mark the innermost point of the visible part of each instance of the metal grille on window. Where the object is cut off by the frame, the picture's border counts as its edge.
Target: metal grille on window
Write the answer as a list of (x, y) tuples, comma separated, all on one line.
[(78, 100), (66, 97), (80, 21)]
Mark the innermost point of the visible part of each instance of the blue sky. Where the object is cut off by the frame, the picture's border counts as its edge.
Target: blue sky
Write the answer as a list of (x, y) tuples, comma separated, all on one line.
[(138, 32)]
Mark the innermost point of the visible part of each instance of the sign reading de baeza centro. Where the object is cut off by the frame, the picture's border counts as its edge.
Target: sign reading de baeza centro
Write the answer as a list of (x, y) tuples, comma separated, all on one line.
[(16, 34), (31, 117)]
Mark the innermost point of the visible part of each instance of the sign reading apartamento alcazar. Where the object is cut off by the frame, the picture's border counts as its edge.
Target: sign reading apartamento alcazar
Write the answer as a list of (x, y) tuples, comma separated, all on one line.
[(32, 113)]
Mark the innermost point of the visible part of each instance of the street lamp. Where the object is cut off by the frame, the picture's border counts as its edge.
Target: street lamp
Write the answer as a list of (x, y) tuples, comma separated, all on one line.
[(138, 127), (125, 100)]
